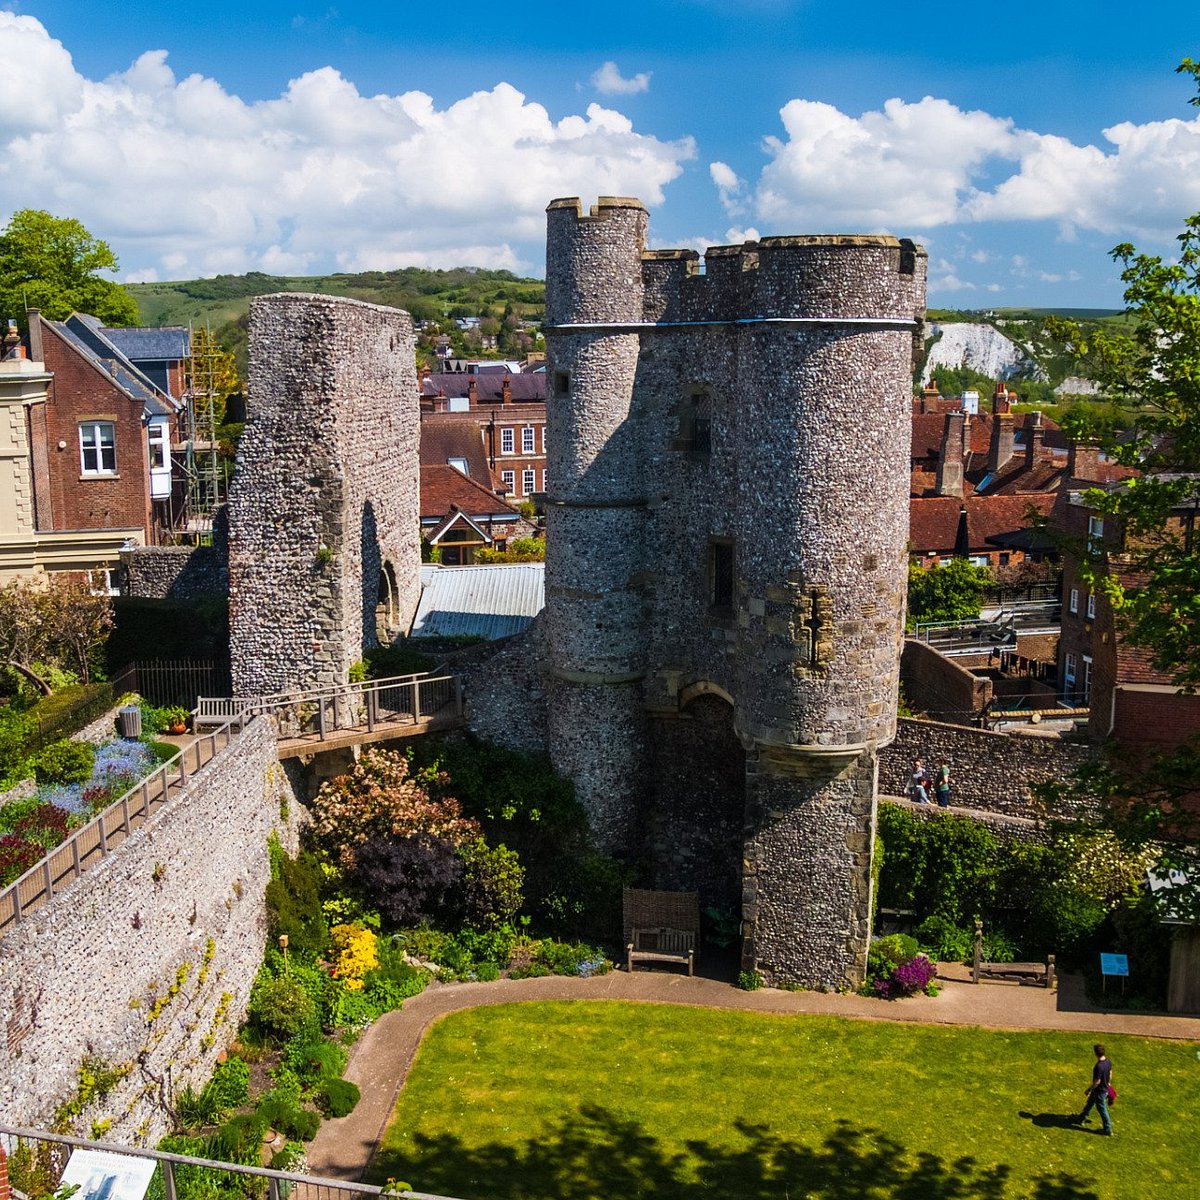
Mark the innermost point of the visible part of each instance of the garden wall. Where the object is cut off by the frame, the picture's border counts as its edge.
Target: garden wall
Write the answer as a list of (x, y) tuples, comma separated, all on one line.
[(143, 966), (992, 772), (941, 686)]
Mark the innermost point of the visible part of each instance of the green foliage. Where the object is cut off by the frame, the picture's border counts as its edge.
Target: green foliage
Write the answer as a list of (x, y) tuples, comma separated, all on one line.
[(26, 731), (400, 658), (749, 981), (281, 1008), (228, 1089), (892, 951), (293, 899), (944, 941), (277, 1110), (312, 1058), (519, 550), (54, 264), (491, 884), (65, 761), (946, 593), (337, 1097)]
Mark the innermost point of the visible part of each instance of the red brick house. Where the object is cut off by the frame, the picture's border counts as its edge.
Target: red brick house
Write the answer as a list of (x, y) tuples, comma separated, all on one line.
[(101, 444)]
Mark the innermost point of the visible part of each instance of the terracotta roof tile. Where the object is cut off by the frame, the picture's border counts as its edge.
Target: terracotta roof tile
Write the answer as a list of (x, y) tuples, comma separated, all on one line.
[(443, 488)]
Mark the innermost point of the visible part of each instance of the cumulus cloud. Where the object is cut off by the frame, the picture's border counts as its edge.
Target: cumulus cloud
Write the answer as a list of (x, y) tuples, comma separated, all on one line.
[(930, 163), (185, 178), (608, 81)]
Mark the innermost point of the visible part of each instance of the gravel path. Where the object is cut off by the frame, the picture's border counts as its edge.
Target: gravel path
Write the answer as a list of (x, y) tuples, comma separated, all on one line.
[(380, 1060)]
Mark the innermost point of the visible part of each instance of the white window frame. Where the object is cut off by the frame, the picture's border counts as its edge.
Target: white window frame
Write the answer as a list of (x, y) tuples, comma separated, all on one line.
[(528, 440), (543, 439), (459, 464), (543, 480), (1073, 603), (1087, 679), (507, 442), (1091, 606), (1070, 669), (508, 480), (528, 481), (1095, 534), (92, 446)]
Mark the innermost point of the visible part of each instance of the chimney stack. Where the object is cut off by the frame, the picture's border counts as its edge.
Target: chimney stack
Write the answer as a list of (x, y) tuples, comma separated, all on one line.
[(1083, 462), (930, 397), (1000, 451), (505, 391), (472, 393), (1034, 434), (34, 317), (950, 459)]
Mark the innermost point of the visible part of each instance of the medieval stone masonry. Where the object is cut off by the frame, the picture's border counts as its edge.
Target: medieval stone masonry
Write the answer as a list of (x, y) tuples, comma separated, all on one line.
[(727, 525), (324, 516)]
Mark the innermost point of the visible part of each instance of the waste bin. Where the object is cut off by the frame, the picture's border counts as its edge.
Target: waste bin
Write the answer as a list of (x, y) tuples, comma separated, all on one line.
[(129, 721)]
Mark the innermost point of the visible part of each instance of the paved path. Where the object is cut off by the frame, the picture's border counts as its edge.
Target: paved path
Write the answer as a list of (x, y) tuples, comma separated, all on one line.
[(380, 1061)]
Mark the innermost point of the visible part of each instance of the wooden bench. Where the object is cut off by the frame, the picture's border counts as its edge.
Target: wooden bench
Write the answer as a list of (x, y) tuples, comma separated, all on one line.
[(660, 926), (662, 945), (1030, 973)]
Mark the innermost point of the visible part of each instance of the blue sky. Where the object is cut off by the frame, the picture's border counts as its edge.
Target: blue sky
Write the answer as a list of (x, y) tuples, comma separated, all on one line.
[(1018, 142)]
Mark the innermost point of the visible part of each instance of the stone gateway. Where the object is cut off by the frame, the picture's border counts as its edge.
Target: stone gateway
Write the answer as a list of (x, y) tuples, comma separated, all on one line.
[(727, 562)]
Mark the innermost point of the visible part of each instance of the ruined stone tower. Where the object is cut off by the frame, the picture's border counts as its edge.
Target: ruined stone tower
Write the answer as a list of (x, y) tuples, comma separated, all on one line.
[(726, 570), (324, 513)]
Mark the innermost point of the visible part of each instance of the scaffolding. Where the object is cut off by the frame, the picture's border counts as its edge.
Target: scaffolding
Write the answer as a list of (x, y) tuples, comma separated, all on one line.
[(204, 467)]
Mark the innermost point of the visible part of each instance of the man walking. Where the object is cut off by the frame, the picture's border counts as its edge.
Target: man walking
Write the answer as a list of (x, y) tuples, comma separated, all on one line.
[(1097, 1091)]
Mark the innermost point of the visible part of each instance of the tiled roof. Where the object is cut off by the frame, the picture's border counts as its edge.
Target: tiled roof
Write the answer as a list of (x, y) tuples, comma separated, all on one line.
[(444, 488), (453, 435), (933, 520), (492, 601), (927, 431)]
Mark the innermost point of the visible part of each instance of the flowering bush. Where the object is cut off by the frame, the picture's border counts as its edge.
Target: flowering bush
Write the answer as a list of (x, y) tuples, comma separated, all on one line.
[(907, 979), (895, 969), (356, 954), (381, 798)]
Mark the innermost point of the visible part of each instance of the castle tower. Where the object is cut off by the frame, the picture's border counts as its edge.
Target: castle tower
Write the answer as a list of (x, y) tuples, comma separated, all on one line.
[(727, 566), (596, 509), (324, 514), (821, 530)]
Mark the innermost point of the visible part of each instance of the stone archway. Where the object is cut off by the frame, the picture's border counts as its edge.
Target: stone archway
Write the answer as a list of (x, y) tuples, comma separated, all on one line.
[(695, 819), (387, 606)]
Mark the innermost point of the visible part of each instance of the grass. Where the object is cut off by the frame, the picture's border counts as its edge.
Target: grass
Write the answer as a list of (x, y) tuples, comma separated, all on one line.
[(581, 1100)]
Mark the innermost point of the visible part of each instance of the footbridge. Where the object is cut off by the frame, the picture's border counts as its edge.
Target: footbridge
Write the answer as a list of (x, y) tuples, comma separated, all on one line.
[(348, 714)]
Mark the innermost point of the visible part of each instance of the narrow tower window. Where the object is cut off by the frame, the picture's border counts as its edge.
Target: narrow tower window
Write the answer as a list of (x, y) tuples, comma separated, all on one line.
[(720, 575)]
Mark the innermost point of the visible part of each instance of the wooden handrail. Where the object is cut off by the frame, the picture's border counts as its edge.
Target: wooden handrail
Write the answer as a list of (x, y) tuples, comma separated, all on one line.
[(13, 908)]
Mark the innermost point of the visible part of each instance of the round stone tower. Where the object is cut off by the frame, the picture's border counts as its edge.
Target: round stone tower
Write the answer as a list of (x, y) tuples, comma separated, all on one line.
[(596, 510), (822, 529)]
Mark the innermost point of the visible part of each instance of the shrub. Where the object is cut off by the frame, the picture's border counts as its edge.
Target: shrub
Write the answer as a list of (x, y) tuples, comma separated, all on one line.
[(907, 979), (945, 941), (314, 1058), (407, 880), (230, 1083), (337, 1097), (281, 1008), (749, 981), (65, 762), (294, 902), (355, 947), (282, 1113), (491, 884)]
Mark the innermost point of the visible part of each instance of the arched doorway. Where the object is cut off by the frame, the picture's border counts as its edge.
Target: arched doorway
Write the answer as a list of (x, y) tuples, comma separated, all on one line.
[(387, 606)]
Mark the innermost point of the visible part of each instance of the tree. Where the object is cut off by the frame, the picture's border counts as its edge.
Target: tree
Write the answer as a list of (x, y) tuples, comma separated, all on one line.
[(950, 593), (60, 621), (53, 264)]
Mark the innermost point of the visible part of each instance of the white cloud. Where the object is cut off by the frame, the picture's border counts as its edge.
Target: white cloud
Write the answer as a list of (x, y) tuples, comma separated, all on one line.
[(930, 163), (184, 178), (730, 188), (608, 81)]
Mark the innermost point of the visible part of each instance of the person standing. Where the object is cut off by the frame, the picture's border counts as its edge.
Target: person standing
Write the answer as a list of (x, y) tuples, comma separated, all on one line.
[(942, 784), (918, 784), (1097, 1091)]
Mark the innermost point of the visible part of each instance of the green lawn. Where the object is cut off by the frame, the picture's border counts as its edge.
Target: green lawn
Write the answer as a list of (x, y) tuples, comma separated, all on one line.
[(574, 1100)]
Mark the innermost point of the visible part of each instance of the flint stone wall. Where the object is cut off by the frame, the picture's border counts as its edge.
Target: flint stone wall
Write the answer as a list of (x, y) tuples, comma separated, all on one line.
[(119, 965), (324, 513), (991, 772), (175, 572)]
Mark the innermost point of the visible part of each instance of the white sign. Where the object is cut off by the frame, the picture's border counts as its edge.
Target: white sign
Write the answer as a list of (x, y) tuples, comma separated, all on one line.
[(100, 1175)]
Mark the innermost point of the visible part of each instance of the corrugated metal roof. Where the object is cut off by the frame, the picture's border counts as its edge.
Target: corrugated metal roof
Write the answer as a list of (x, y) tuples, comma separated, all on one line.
[(490, 602)]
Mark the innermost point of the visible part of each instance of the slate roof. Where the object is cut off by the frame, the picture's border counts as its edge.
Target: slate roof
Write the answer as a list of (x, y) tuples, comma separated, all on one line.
[(171, 343), (492, 601), (88, 337), (933, 520), (524, 389)]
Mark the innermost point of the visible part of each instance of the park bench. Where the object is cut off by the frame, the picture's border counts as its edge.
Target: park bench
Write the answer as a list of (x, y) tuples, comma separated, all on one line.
[(1031, 973), (660, 926)]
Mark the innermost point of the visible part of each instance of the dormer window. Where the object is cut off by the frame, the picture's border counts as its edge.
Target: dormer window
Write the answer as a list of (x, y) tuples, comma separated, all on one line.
[(459, 464)]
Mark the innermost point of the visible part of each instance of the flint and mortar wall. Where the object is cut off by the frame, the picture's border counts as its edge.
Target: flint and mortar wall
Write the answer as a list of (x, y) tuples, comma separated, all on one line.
[(178, 572), (763, 405), (324, 508), (941, 686), (92, 972), (991, 772)]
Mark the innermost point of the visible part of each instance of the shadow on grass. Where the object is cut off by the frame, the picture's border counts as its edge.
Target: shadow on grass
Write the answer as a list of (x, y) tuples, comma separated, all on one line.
[(600, 1155)]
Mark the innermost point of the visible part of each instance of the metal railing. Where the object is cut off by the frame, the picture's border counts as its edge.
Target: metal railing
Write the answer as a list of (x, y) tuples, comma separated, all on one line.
[(319, 713), (103, 833), (277, 1185)]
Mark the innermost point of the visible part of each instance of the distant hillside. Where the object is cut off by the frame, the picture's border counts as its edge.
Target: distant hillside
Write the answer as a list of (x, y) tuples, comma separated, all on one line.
[(224, 301)]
